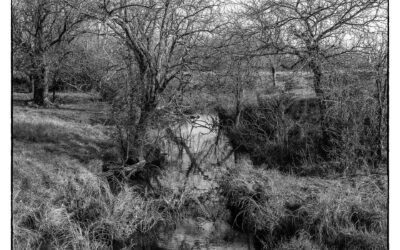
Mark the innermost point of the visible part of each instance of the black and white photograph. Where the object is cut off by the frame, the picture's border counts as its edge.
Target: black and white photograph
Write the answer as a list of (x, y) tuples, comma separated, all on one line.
[(199, 124)]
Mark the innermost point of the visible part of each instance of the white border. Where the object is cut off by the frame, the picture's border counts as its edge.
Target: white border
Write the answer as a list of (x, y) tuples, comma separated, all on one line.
[(5, 125), (394, 123)]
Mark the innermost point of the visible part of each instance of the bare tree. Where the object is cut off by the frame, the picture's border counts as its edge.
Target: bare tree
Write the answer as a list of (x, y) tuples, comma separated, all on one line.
[(313, 31), (162, 37), (44, 25)]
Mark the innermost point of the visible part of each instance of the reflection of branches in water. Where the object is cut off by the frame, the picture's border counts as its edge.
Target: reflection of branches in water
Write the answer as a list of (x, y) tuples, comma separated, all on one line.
[(207, 153), (215, 149), (181, 142), (207, 147), (220, 162), (201, 140), (211, 126)]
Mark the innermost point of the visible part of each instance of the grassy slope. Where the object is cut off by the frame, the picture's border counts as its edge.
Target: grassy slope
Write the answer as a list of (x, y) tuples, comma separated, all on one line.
[(60, 199), (55, 154)]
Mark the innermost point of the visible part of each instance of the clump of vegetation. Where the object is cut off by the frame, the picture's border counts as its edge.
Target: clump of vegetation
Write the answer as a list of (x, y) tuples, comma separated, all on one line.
[(269, 134), (62, 201), (84, 214), (288, 132), (80, 211), (283, 211), (357, 130)]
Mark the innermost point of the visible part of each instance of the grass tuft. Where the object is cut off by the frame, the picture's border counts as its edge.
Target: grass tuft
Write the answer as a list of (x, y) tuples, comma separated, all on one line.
[(275, 208)]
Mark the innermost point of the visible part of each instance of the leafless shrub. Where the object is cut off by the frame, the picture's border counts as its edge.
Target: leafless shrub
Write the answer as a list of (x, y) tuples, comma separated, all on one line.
[(271, 134), (353, 122)]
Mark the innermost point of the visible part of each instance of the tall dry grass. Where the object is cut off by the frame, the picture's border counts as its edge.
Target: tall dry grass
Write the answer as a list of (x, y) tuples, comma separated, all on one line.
[(283, 211), (61, 200)]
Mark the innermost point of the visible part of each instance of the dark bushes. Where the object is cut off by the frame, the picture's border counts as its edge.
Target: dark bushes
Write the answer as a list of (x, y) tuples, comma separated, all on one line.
[(108, 92), (21, 83), (286, 131), (142, 175), (274, 131), (358, 138)]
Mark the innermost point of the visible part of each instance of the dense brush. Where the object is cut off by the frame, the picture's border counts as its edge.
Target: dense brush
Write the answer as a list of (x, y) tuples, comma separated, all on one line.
[(335, 214)]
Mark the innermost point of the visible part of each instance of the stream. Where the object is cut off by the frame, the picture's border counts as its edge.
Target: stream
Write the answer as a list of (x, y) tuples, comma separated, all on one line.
[(199, 233)]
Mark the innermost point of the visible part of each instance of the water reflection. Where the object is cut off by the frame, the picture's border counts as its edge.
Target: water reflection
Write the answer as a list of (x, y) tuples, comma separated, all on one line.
[(209, 147)]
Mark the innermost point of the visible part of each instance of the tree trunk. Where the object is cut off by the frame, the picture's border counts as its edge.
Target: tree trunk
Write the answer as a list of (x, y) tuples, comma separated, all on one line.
[(32, 83), (41, 86), (141, 130), (38, 90), (54, 94), (140, 137), (46, 81), (317, 78), (273, 73)]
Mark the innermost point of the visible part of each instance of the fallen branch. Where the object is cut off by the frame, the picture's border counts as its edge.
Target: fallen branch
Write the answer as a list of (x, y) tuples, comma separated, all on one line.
[(126, 171)]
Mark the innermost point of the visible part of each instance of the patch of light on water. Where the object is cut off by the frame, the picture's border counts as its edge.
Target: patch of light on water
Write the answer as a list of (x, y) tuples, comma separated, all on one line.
[(200, 135)]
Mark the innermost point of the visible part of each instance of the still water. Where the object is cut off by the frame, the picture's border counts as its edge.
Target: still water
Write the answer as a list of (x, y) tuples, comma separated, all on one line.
[(208, 147)]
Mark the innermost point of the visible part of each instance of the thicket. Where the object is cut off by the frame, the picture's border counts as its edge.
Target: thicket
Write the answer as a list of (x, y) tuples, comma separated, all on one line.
[(286, 132)]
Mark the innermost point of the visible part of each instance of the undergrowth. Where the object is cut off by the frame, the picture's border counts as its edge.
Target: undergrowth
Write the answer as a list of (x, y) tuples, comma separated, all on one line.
[(287, 212), (77, 210), (343, 129), (61, 200)]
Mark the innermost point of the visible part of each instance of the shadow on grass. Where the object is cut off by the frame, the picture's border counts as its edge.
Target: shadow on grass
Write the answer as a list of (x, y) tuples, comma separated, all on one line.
[(19, 103), (59, 140), (96, 115)]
